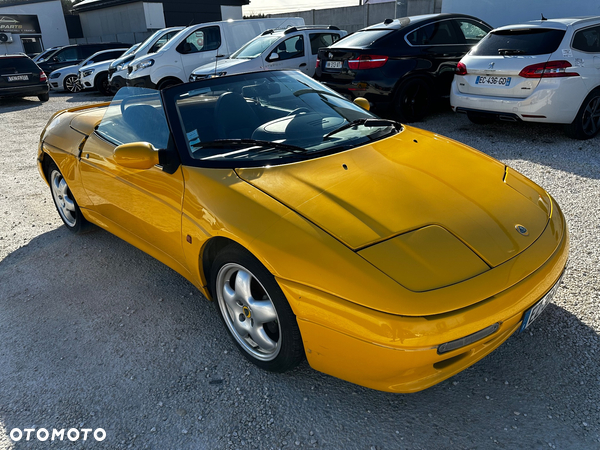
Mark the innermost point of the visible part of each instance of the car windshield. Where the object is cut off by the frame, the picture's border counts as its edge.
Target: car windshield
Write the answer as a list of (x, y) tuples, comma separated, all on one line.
[(268, 118), (135, 115), (534, 41), (131, 50), (255, 47)]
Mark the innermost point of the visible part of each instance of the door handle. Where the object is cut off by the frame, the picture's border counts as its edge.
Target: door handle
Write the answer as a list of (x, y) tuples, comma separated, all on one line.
[(302, 65), (220, 56)]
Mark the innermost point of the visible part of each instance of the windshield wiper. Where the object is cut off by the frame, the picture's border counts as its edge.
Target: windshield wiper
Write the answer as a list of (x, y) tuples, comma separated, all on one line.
[(365, 123), (250, 142), (510, 51)]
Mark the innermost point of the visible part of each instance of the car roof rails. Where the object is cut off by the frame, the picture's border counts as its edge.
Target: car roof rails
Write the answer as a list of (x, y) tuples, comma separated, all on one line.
[(310, 27), (269, 31)]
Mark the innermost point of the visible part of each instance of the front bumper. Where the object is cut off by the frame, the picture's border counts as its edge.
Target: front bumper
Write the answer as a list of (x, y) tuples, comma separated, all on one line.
[(551, 101), (144, 82), (400, 353)]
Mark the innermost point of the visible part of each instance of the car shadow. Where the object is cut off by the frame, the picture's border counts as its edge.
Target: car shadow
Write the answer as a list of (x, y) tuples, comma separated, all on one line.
[(19, 104), (95, 333)]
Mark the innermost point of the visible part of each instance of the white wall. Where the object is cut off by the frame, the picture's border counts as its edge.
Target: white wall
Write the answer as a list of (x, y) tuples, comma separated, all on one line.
[(507, 12), (52, 24), (123, 23), (231, 12)]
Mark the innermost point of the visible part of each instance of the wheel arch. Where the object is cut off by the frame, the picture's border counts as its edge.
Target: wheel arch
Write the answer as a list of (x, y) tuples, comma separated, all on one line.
[(426, 77), (209, 252), (166, 80)]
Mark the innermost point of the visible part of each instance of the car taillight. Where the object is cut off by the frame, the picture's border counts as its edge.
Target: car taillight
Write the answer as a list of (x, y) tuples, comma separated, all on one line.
[(550, 69), (367, 62), (461, 69), (43, 76), (318, 63)]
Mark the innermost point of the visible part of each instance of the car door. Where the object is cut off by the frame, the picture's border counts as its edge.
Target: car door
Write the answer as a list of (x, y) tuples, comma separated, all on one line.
[(585, 55), (67, 56), (288, 54), (144, 203), (199, 47), (317, 41)]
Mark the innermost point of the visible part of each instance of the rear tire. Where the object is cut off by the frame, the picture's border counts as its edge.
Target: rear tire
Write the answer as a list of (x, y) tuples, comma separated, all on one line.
[(167, 84), (44, 97), (413, 100), (479, 119), (587, 121)]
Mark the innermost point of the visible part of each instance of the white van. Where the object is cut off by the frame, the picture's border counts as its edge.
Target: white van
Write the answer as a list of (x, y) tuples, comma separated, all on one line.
[(293, 48), (118, 70), (195, 46)]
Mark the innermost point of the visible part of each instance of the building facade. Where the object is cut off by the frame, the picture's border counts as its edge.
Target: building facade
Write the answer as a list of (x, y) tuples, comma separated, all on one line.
[(132, 20), (32, 26)]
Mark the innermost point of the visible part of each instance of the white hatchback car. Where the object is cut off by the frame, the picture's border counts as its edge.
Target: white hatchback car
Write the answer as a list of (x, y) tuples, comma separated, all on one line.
[(541, 71)]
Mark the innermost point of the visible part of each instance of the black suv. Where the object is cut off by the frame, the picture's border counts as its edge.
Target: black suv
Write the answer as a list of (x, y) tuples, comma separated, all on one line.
[(21, 77), (403, 63), (71, 55)]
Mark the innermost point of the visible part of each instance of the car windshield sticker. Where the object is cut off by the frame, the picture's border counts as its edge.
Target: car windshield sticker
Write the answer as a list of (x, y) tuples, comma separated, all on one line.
[(193, 137), (567, 53)]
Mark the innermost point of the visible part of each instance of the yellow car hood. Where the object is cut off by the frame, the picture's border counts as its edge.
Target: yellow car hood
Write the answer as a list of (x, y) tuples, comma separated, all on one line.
[(415, 179)]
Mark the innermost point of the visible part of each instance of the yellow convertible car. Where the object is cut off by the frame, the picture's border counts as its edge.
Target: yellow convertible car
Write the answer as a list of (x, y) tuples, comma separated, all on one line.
[(387, 256)]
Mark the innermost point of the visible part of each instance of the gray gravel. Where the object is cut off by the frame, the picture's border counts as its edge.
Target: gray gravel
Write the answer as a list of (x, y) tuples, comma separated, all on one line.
[(96, 334)]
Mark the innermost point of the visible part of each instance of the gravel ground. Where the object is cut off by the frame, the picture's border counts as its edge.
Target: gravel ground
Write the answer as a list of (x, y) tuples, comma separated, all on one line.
[(96, 334)]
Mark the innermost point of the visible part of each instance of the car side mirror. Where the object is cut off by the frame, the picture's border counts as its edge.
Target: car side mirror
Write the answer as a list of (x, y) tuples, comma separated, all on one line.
[(55, 59), (274, 56), (136, 155), (363, 103)]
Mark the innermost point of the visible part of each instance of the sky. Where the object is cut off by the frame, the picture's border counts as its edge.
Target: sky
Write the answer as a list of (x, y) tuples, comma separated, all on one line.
[(280, 6)]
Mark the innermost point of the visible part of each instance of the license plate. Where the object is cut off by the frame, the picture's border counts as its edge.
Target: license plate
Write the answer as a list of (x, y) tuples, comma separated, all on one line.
[(493, 81), (534, 312), (333, 65), (19, 78)]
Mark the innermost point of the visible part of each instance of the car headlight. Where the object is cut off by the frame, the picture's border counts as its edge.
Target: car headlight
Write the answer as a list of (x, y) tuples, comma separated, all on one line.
[(55, 75), (143, 64), (86, 73)]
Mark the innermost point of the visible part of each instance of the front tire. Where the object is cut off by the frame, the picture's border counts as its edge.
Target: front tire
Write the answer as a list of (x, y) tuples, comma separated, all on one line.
[(71, 84), (101, 84), (587, 121), (413, 100), (255, 311), (65, 203)]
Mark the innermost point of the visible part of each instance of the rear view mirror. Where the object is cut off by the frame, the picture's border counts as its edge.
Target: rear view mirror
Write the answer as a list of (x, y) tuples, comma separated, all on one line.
[(363, 103), (137, 155)]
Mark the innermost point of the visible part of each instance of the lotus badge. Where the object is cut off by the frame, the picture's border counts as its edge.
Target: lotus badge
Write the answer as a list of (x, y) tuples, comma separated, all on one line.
[(522, 230)]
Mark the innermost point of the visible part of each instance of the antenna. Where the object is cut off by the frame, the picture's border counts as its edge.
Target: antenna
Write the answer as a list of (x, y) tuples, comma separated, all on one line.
[(543, 18)]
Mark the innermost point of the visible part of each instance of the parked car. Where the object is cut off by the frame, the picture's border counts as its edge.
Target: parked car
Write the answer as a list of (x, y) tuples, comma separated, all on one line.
[(21, 77), (45, 54), (541, 71), (70, 55), (118, 70), (293, 48), (67, 77), (195, 46), (404, 64), (386, 255), (95, 75)]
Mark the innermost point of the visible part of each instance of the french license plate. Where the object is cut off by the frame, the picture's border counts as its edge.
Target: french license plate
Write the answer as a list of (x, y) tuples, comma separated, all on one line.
[(534, 312), (333, 65), (19, 78), (493, 81)]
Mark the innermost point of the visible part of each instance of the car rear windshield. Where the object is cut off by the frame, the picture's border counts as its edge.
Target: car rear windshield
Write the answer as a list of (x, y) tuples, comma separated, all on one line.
[(17, 65), (536, 41), (361, 38)]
